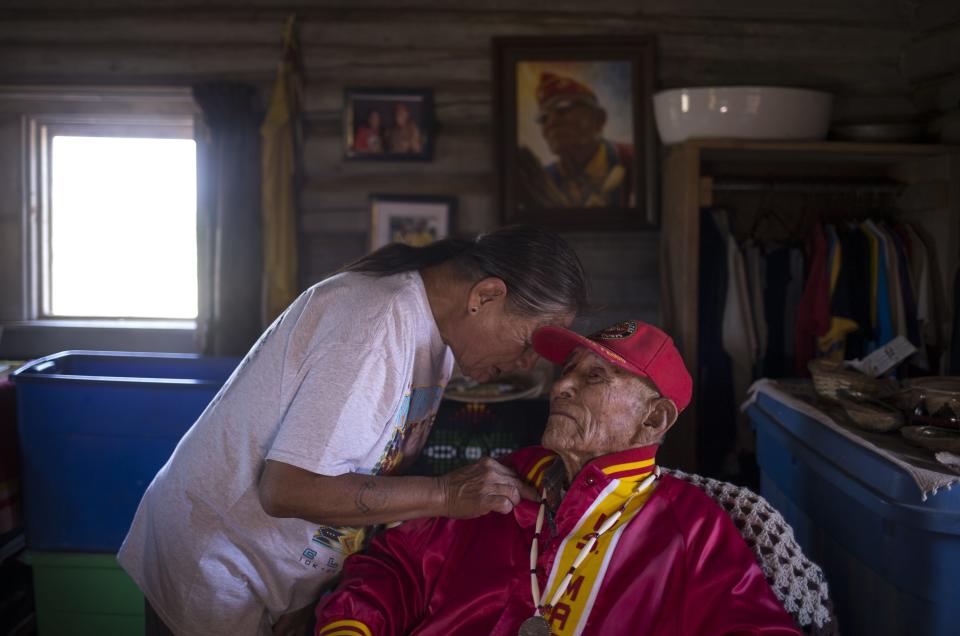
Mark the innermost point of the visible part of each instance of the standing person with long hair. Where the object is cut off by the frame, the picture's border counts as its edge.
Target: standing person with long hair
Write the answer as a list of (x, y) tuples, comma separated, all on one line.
[(306, 443)]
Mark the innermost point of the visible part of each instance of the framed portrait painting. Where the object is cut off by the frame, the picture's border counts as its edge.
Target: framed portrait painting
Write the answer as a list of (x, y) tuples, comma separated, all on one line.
[(574, 126), (413, 220), (388, 124)]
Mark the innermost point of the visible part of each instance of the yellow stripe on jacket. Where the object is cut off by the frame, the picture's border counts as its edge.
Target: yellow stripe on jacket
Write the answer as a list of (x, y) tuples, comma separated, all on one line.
[(535, 475), (572, 609), (345, 627)]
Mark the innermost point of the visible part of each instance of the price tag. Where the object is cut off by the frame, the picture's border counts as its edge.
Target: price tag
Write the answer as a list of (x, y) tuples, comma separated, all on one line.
[(884, 358)]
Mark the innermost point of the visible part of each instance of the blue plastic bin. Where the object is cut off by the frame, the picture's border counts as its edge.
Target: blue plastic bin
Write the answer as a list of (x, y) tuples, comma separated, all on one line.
[(95, 427), (892, 560)]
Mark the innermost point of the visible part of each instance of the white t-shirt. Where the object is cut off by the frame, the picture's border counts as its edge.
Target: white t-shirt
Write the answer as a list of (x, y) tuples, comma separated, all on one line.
[(348, 379)]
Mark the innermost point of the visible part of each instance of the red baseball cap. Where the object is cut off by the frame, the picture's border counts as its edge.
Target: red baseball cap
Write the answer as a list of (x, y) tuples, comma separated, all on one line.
[(635, 346)]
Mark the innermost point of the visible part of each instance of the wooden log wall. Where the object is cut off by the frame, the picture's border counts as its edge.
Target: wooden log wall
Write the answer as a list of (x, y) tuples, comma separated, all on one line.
[(931, 62), (852, 48)]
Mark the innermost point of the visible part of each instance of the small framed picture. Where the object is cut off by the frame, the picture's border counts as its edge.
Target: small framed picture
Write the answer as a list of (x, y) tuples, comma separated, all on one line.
[(574, 132), (388, 124), (414, 220)]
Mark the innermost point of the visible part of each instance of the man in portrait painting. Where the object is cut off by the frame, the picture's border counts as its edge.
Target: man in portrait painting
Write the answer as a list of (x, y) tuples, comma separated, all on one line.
[(589, 170)]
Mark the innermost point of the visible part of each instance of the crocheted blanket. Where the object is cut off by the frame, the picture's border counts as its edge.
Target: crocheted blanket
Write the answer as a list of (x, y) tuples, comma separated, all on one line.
[(798, 582)]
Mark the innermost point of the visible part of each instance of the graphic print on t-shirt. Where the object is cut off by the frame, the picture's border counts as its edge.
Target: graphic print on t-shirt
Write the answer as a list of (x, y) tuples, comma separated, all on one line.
[(342, 539), (411, 425)]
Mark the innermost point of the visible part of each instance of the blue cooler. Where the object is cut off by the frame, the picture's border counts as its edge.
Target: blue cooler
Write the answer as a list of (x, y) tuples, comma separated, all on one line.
[(95, 427), (891, 559)]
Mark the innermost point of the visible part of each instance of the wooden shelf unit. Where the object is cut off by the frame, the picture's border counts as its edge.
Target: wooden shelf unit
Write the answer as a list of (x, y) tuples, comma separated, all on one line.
[(929, 174)]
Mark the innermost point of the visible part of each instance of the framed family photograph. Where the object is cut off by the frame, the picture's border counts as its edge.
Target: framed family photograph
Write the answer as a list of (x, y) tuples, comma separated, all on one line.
[(575, 141), (414, 220), (388, 124)]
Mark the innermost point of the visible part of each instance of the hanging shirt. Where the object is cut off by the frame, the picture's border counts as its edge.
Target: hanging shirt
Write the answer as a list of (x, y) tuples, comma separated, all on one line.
[(933, 301), (714, 376), (740, 342), (813, 318), (897, 312), (756, 281), (674, 564), (784, 282), (882, 315), (833, 255), (739, 334), (906, 287), (874, 263), (778, 265), (886, 295), (851, 299), (791, 305), (833, 343), (920, 275)]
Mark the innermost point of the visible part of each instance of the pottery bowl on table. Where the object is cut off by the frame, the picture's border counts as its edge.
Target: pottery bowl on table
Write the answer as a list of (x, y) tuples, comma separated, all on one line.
[(934, 400)]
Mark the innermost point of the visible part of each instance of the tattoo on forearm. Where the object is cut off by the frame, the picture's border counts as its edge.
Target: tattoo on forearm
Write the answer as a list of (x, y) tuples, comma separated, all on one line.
[(369, 498)]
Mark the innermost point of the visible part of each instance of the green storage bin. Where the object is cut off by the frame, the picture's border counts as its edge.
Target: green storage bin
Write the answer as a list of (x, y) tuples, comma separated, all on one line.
[(81, 594)]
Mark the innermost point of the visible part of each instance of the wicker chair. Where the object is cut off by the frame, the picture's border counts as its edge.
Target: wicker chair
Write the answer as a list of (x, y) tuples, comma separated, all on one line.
[(798, 582)]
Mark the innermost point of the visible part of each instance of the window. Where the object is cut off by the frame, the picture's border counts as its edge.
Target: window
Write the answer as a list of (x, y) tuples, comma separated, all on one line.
[(116, 217), (121, 228), (98, 220)]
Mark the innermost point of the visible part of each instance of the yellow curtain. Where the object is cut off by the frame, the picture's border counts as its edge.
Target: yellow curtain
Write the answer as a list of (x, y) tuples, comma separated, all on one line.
[(280, 134)]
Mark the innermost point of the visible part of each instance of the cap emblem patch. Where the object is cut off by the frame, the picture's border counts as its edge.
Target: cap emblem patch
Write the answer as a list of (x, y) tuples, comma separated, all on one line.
[(617, 332)]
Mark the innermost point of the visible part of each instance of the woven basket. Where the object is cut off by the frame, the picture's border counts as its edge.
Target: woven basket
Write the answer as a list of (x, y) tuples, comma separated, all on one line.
[(830, 377)]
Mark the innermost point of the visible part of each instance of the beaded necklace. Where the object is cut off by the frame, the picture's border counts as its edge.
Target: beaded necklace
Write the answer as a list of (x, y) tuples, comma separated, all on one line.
[(537, 624)]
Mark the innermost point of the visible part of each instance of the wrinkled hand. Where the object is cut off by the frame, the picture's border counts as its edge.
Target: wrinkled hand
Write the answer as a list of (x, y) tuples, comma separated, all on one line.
[(482, 487)]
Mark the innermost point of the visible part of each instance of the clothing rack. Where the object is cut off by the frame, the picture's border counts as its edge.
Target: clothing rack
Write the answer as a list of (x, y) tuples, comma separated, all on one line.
[(804, 186)]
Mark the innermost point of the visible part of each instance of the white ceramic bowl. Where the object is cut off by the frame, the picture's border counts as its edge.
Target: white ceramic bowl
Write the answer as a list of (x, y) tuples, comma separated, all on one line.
[(742, 112)]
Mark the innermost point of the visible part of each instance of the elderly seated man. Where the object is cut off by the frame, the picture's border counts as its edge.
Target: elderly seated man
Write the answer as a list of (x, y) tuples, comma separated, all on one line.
[(613, 547)]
